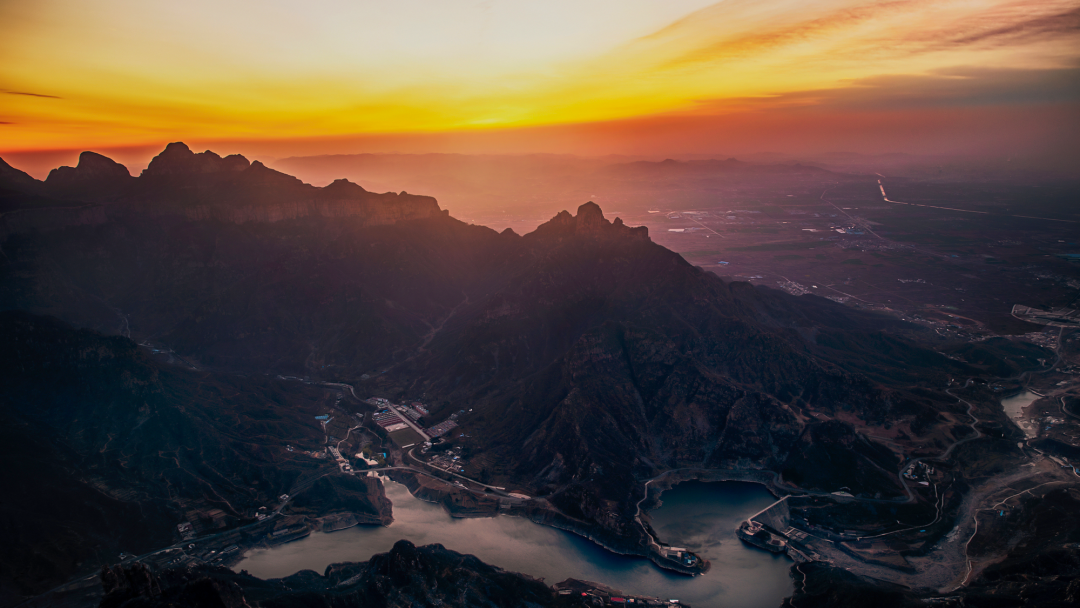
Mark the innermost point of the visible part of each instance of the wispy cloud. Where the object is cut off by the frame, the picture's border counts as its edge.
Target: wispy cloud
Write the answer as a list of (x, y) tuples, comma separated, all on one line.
[(838, 32), (946, 88), (28, 94), (1038, 28), (765, 37)]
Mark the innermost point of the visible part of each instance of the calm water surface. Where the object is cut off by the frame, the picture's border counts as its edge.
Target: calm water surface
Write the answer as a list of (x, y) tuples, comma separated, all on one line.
[(1014, 407), (700, 516)]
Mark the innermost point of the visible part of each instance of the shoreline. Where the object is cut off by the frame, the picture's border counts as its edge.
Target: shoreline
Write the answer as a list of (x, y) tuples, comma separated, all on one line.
[(546, 516)]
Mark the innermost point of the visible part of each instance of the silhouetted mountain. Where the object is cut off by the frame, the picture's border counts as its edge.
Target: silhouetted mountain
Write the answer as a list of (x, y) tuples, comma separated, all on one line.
[(177, 160), (18, 189), (198, 186), (604, 358), (96, 177), (18, 181), (580, 359), (591, 355), (405, 577)]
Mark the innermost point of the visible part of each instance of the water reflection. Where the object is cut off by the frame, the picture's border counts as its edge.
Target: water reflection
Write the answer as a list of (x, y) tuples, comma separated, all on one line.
[(702, 516)]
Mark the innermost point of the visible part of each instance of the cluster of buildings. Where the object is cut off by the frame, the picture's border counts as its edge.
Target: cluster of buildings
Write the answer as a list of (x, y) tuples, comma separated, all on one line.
[(389, 420), (793, 288), (201, 521), (595, 594), (411, 411), (390, 416), (849, 229), (343, 464), (919, 472), (447, 462), (752, 532), (442, 428), (679, 554)]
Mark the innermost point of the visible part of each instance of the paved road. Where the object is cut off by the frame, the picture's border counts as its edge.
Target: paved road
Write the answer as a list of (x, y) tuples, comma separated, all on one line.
[(1027, 217)]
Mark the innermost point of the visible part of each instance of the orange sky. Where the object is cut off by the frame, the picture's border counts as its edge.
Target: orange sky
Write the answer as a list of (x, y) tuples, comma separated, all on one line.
[(278, 77)]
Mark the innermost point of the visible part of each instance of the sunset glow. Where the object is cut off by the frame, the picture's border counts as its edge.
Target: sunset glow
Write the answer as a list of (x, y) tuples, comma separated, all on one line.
[(129, 73)]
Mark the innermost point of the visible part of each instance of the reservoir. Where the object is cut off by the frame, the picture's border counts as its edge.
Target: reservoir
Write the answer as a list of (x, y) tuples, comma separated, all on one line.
[(1014, 408), (700, 516)]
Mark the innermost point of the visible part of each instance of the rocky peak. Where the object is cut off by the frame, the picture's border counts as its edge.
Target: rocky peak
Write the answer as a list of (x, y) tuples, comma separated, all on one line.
[(178, 159), (92, 163), (588, 223), (233, 162), (590, 219), (95, 177), (343, 189), (403, 560), (92, 167)]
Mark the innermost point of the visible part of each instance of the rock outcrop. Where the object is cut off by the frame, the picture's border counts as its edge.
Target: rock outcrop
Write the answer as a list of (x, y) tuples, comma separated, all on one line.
[(178, 160), (96, 178), (589, 222)]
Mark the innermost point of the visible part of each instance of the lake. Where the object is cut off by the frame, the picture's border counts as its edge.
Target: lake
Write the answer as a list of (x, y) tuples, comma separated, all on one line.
[(1014, 407), (700, 516)]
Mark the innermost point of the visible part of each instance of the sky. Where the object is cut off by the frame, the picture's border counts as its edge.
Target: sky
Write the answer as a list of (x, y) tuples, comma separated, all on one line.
[(281, 77)]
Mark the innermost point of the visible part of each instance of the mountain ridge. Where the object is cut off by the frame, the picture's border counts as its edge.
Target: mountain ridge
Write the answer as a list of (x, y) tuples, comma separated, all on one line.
[(580, 360), (203, 186)]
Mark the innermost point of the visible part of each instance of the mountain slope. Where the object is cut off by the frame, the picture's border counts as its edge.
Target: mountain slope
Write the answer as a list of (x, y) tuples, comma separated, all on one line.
[(607, 359), (580, 359), (106, 451)]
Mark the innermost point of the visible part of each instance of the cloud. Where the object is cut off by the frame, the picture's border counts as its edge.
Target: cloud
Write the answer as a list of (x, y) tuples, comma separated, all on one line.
[(836, 33), (962, 86), (1038, 28), (33, 94), (769, 36)]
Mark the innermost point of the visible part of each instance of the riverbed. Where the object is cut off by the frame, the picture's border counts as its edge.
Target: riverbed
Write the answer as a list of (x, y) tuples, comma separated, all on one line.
[(700, 516)]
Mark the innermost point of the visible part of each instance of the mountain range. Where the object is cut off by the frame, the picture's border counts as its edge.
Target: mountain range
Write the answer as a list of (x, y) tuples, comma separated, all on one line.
[(582, 357)]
